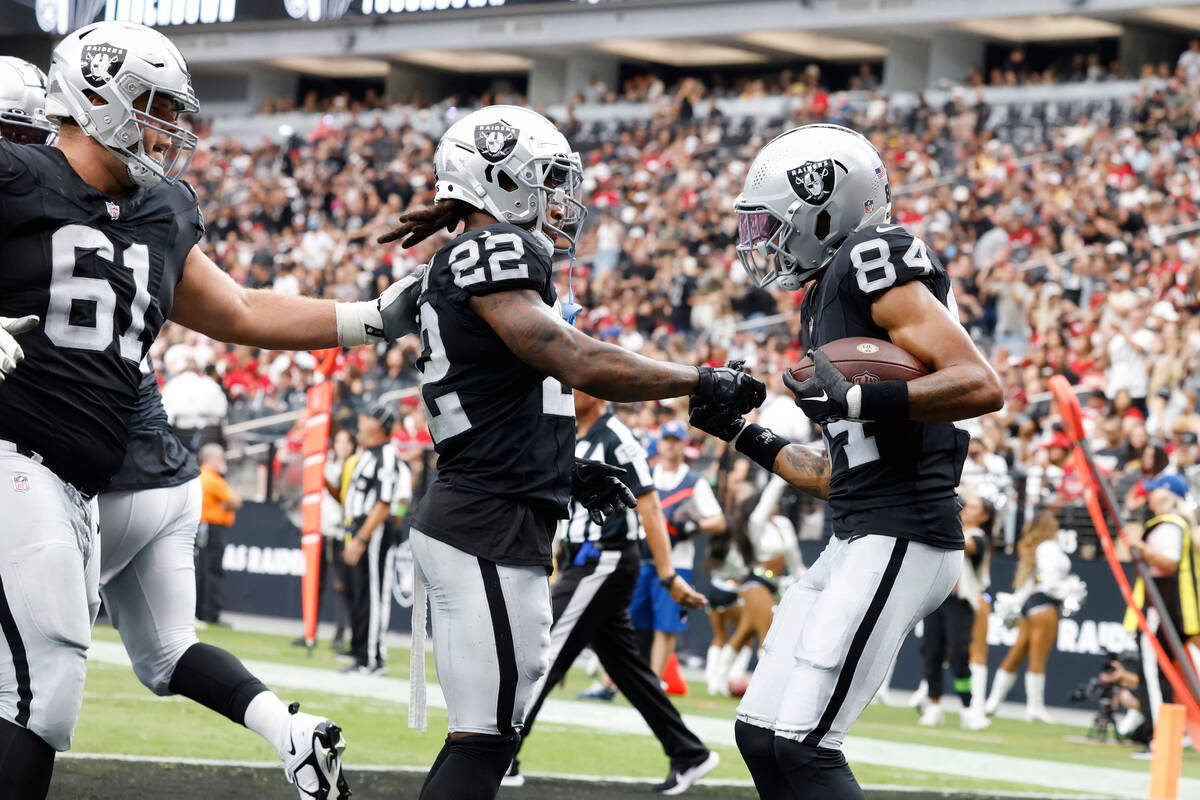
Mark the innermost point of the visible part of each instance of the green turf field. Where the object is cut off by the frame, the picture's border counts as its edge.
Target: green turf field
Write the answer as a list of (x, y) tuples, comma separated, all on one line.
[(122, 717)]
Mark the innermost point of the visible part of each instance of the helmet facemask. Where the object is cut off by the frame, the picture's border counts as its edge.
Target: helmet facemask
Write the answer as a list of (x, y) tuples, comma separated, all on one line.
[(763, 239), (128, 143), (561, 188), (20, 129)]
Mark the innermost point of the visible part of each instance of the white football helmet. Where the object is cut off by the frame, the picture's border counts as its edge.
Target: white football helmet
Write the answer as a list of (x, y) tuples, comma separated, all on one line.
[(23, 103), (118, 62), (514, 164), (806, 191)]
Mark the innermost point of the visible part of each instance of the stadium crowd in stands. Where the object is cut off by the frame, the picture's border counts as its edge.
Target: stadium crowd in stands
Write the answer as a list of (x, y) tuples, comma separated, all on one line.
[(1070, 237)]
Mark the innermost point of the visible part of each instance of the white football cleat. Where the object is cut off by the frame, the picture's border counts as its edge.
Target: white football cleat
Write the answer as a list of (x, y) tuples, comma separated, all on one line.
[(933, 716), (314, 759), (973, 719)]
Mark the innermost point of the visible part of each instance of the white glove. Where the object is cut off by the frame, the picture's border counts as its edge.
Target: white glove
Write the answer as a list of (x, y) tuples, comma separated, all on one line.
[(386, 318), (11, 353)]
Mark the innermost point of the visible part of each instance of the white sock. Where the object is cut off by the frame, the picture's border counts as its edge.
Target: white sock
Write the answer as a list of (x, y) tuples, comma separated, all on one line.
[(269, 718), (979, 676)]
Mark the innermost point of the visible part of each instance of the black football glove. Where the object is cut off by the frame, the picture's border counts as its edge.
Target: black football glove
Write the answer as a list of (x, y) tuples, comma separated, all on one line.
[(718, 420), (823, 396), (731, 387), (398, 305), (598, 488)]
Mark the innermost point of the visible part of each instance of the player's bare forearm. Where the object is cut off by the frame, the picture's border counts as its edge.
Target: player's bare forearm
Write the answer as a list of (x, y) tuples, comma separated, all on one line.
[(209, 301), (713, 524), (537, 335), (657, 538), (961, 383), (806, 467), (378, 513), (960, 391)]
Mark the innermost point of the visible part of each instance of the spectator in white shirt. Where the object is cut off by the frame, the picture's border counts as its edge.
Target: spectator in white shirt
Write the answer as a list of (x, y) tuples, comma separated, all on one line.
[(196, 407)]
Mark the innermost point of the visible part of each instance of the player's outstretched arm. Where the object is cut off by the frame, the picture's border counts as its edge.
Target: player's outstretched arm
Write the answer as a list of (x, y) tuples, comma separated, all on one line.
[(805, 466), (209, 301), (802, 465), (962, 384), (537, 335)]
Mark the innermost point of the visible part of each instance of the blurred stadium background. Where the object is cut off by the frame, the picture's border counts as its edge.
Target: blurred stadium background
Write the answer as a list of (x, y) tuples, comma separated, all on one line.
[(1046, 149)]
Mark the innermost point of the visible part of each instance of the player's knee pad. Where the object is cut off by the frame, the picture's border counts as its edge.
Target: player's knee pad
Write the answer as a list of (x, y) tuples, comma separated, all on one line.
[(816, 773), (155, 667)]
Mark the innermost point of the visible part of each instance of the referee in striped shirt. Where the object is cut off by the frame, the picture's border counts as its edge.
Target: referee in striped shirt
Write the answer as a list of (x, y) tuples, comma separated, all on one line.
[(597, 573), (379, 480)]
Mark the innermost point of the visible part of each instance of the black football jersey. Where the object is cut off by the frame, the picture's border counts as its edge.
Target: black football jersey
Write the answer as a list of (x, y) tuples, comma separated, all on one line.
[(100, 272), (610, 441), (504, 432), (895, 478), (154, 458)]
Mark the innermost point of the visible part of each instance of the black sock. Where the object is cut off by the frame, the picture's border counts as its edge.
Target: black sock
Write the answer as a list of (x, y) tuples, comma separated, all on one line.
[(816, 773), (26, 762), (216, 679), (470, 768), (757, 746)]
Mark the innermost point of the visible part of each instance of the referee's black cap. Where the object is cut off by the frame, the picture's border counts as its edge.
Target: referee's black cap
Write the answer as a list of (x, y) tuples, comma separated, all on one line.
[(384, 412)]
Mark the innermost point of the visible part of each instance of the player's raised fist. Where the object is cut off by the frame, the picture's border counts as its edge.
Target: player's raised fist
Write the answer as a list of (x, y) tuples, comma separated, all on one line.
[(11, 353), (729, 386)]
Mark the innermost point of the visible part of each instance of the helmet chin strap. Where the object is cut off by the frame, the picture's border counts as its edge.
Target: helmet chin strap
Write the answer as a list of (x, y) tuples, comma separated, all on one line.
[(570, 309)]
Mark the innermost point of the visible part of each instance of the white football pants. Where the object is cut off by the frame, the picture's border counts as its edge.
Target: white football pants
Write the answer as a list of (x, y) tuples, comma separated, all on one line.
[(838, 630), (48, 598), (491, 634), (148, 575)]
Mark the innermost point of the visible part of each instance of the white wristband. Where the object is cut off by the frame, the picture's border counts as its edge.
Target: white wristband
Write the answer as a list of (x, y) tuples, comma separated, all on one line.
[(854, 402), (359, 323)]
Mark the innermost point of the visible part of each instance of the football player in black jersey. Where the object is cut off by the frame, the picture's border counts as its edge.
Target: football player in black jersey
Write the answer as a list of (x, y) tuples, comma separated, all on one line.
[(99, 237), (815, 214), (498, 366)]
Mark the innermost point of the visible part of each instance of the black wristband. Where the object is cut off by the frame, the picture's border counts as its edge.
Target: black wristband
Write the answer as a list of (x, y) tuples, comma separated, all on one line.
[(761, 445), (667, 581), (886, 401)]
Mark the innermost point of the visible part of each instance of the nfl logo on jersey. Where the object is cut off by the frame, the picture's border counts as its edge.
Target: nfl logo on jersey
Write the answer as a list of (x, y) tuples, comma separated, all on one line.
[(21, 483), (114, 210)]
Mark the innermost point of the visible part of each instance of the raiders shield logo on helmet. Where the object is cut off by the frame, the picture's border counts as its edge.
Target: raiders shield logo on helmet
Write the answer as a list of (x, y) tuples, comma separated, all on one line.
[(813, 181), (100, 63), (495, 141)]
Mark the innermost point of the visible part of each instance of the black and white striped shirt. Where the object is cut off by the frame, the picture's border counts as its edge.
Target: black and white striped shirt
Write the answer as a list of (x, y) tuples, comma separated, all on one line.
[(610, 441), (379, 476)]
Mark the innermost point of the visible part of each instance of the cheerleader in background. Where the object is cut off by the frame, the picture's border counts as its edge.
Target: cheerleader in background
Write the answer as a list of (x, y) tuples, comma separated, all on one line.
[(980, 514), (1043, 589), (742, 595)]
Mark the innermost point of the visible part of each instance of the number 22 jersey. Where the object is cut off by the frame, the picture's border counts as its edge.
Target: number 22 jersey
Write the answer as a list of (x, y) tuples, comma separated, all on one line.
[(891, 478), (504, 432), (100, 271)]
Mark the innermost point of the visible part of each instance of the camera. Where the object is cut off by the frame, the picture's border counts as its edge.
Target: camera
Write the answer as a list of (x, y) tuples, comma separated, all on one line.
[(1104, 693)]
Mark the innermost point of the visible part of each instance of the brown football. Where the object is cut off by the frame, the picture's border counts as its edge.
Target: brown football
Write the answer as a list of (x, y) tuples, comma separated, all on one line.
[(864, 360)]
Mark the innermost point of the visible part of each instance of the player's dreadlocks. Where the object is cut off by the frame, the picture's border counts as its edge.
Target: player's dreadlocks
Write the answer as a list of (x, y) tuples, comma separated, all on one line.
[(419, 224)]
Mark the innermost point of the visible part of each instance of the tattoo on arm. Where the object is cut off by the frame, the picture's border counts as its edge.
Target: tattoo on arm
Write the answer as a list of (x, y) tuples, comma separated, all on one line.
[(539, 337), (806, 467)]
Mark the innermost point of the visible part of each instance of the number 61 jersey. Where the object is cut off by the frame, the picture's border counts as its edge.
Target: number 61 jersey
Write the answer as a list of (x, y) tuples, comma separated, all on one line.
[(893, 478), (100, 271), (504, 432)]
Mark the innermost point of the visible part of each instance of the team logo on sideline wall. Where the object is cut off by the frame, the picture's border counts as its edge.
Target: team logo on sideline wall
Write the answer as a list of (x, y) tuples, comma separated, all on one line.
[(21, 483), (495, 141), (813, 181), (101, 62)]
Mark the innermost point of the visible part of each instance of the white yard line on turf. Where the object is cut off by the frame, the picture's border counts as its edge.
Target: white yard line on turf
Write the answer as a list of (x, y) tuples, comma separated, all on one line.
[(1107, 781)]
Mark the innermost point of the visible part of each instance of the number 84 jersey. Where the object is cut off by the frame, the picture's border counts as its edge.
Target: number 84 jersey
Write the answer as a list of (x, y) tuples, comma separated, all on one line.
[(100, 271), (895, 478), (500, 427)]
